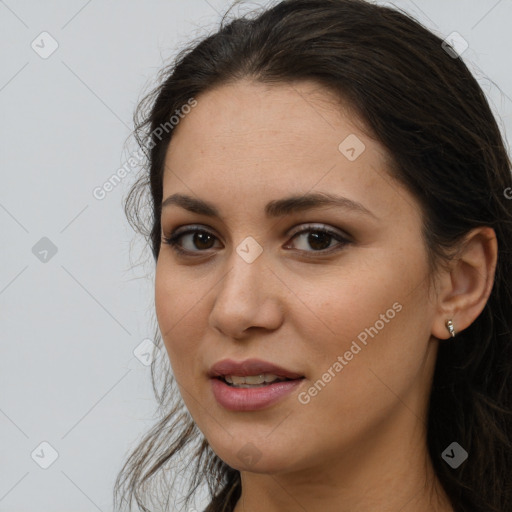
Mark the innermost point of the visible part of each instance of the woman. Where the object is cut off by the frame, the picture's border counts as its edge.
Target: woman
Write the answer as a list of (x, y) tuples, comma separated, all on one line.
[(332, 235)]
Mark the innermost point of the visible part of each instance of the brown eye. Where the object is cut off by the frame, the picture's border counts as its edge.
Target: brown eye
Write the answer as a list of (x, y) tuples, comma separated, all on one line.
[(201, 240), (319, 239), (315, 239)]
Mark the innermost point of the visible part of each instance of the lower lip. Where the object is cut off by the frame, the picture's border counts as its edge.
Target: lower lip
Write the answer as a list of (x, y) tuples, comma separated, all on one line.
[(251, 399)]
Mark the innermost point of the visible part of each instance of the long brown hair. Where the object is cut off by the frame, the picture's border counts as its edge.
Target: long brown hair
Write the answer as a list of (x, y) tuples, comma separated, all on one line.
[(423, 104)]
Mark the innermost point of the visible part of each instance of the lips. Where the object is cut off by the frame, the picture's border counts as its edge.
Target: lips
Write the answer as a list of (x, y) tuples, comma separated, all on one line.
[(251, 398), (250, 367)]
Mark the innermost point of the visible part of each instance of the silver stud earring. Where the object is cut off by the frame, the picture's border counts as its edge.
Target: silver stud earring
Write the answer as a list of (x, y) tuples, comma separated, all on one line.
[(451, 329)]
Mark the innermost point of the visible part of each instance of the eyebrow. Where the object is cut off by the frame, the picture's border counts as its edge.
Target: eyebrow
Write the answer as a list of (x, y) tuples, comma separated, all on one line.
[(275, 208)]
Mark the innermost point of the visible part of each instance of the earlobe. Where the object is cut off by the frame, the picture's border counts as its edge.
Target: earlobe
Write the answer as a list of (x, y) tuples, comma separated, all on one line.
[(466, 287)]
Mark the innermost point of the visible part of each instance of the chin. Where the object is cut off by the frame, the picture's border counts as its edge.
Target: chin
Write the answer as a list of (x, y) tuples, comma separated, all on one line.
[(265, 465), (248, 454)]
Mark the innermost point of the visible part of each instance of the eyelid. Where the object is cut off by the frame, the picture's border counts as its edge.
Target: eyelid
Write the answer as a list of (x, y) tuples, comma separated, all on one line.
[(341, 237), (182, 230), (314, 226), (173, 238)]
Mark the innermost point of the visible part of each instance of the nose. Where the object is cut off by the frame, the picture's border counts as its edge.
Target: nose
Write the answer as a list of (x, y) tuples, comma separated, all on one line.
[(247, 298)]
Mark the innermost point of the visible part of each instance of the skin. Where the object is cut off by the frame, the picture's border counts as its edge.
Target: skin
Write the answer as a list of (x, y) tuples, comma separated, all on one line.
[(359, 445)]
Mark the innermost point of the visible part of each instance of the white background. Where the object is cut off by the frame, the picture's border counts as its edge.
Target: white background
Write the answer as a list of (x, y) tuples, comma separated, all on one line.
[(68, 327)]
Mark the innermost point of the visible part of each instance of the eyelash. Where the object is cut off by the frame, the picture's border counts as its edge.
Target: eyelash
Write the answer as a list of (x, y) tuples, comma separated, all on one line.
[(173, 240)]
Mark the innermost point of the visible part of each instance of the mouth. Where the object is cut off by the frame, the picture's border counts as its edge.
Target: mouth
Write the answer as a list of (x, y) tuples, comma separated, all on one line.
[(252, 384), (254, 371), (252, 381)]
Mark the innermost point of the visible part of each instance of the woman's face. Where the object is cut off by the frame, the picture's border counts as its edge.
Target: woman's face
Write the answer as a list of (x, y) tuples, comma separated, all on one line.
[(348, 311)]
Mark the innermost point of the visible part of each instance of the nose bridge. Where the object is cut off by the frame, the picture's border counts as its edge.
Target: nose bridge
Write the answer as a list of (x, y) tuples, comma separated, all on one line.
[(246, 269), (244, 297)]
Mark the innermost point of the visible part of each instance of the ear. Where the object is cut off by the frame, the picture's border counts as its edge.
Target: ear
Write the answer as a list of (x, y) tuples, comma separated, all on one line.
[(464, 289)]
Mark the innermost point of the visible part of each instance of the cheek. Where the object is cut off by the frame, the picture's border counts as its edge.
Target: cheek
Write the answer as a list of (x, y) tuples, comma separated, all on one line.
[(344, 306), (178, 310), (368, 340), (378, 310), (167, 306)]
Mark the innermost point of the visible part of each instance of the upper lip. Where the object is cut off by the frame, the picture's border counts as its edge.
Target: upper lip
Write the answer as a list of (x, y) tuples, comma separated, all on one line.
[(249, 367)]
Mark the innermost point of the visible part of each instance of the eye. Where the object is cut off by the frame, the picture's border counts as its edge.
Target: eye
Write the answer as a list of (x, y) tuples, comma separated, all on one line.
[(200, 238), (318, 237)]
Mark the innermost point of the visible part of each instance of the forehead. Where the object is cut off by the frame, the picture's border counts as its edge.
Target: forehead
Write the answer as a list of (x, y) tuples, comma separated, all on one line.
[(256, 117), (258, 142)]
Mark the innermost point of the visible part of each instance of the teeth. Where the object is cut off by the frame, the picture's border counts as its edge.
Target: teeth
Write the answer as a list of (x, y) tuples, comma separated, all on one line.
[(252, 379)]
